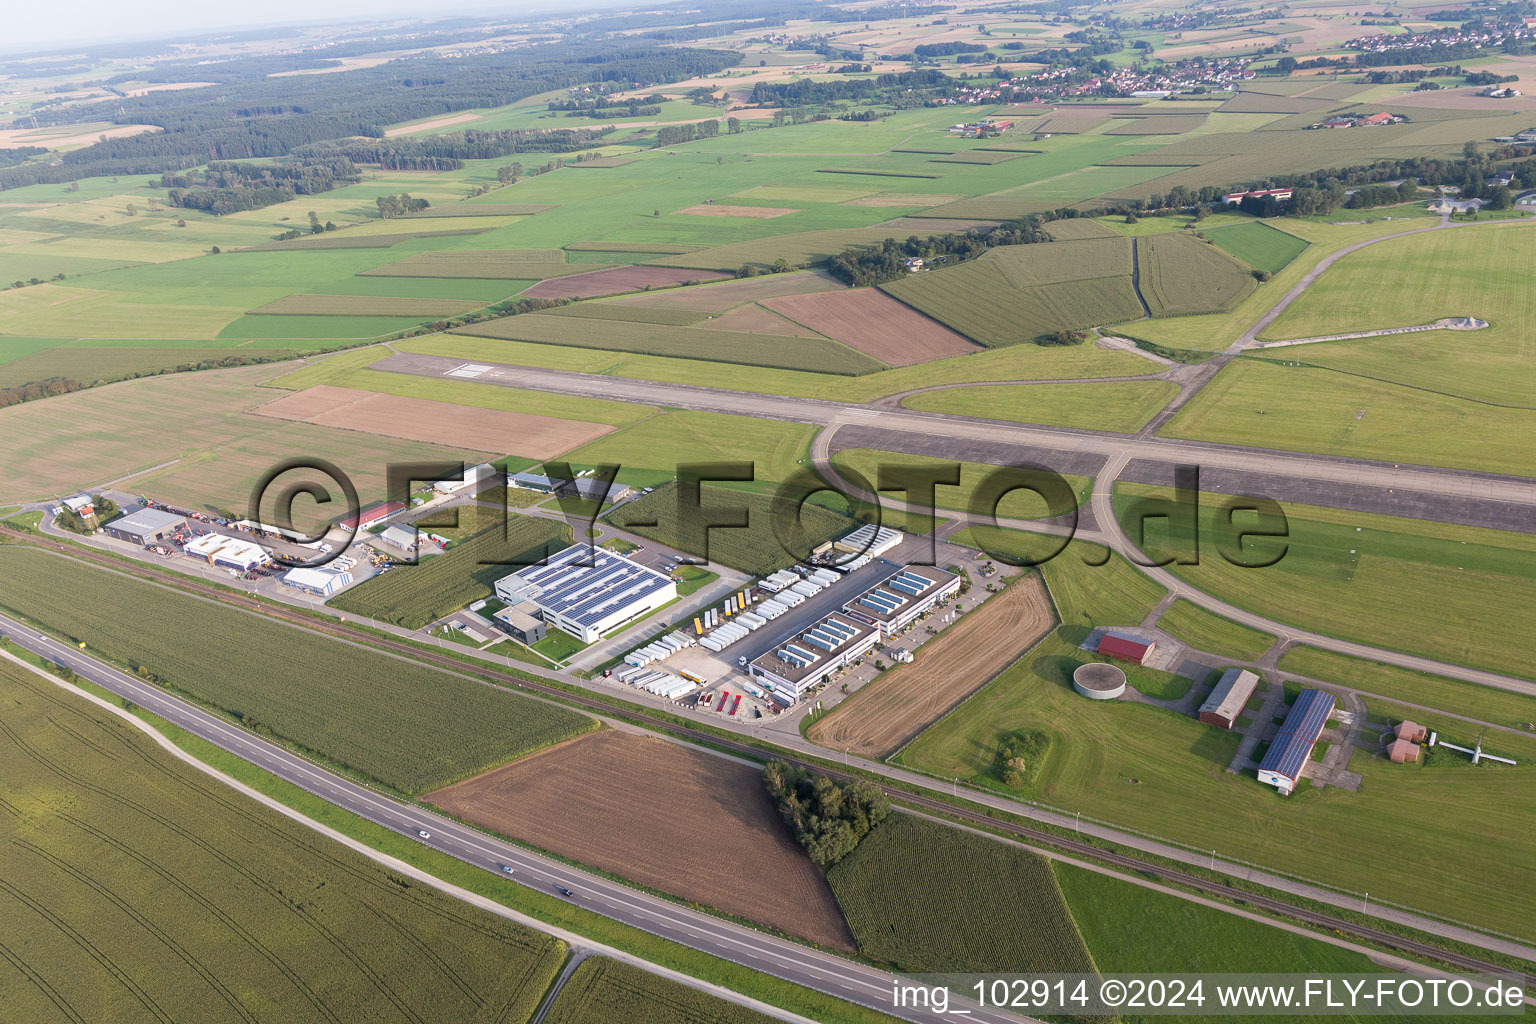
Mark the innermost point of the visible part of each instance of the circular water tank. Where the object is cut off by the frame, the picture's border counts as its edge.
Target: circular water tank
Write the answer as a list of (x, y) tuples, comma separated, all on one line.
[(1099, 681)]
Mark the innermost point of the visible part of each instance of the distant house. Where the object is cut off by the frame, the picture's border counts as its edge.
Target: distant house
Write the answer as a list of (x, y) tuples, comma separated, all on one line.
[(1502, 178), (1445, 205), (80, 505), (1280, 195), (1125, 647), (1371, 120)]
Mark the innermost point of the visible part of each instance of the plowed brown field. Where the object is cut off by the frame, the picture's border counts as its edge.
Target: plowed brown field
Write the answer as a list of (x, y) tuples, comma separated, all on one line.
[(891, 711), (422, 419), (874, 323), (688, 823)]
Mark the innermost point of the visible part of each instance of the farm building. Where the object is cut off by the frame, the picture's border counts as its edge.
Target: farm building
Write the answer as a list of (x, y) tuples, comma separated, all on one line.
[(870, 540), (1413, 732), (228, 552), (592, 489), (1402, 752), (809, 657), (522, 622), (402, 537), (146, 526), (1098, 680), (370, 515), (320, 582), (474, 478), (1125, 647), (905, 594), (588, 591), (1292, 746), (80, 504), (531, 482), (1225, 704)]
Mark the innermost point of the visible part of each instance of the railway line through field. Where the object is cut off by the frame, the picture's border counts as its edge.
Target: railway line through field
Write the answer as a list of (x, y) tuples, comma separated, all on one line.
[(1050, 841)]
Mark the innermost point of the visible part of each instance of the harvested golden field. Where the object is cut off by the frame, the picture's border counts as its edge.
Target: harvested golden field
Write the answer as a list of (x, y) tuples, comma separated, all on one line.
[(874, 323), (891, 711), (757, 319), (422, 419), (688, 823)]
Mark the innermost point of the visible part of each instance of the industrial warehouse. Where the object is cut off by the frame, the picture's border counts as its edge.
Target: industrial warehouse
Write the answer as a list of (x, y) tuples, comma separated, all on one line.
[(808, 658), (902, 598), (588, 591)]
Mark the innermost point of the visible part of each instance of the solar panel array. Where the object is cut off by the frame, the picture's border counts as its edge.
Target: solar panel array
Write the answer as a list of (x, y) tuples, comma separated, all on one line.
[(1293, 743), (587, 594)]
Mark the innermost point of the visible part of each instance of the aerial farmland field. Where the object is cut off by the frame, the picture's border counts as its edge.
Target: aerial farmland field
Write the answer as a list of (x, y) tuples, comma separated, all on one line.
[(591, 800), (185, 891), (882, 716), (422, 728)]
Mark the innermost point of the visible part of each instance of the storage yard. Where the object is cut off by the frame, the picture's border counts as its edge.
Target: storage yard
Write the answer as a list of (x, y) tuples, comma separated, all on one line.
[(685, 822), (900, 703)]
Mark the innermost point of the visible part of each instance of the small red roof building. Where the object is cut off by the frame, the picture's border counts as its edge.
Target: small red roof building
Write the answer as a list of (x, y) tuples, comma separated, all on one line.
[(1124, 648)]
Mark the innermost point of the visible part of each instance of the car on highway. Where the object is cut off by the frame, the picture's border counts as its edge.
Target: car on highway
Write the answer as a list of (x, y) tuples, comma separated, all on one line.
[(563, 891), (508, 869), (424, 833)]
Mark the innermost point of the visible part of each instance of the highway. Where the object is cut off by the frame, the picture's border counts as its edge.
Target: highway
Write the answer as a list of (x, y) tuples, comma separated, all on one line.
[(812, 968)]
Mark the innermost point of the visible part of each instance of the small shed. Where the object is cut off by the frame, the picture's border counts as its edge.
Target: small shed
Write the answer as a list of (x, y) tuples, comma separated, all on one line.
[(1412, 732), (1403, 752), (1230, 697)]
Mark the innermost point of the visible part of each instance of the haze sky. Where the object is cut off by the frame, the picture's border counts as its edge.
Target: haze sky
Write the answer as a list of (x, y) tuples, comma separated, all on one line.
[(34, 26)]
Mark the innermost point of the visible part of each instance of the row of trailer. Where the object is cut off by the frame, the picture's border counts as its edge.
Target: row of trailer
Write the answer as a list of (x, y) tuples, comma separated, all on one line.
[(656, 650), (663, 684)]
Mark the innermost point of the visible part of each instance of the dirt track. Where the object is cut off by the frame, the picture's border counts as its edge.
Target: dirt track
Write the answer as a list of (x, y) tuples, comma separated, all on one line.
[(687, 823), (892, 710)]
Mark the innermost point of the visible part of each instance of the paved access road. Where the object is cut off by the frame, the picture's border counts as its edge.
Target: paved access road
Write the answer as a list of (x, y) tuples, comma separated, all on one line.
[(812, 968)]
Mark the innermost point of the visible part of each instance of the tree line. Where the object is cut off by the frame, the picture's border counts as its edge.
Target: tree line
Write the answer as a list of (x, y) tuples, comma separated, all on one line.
[(255, 116), (229, 187), (828, 819)]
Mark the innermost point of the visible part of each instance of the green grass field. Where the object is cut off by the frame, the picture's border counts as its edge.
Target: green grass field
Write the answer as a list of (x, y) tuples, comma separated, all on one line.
[(414, 595), (923, 896), (408, 727), (1119, 406), (1016, 293), (1182, 276), (135, 887), (767, 542), (604, 991), (1257, 244), (1499, 706), (1134, 930), (1165, 774), (649, 452), (1206, 631), (1305, 408), (1365, 577)]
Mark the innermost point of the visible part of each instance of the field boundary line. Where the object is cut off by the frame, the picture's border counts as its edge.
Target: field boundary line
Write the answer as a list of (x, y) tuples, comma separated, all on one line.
[(571, 939)]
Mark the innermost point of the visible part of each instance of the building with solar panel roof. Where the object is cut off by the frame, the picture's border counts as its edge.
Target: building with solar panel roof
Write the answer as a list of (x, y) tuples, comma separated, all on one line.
[(804, 660), (588, 591), (1292, 746), (902, 597)]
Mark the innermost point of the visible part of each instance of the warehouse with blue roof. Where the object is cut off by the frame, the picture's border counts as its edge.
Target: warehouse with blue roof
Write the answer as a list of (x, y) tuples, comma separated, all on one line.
[(1292, 746), (588, 591)]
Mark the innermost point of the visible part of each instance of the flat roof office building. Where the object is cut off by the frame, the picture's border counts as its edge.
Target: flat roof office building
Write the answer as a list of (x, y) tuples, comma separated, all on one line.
[(588, 591), (905, 594)]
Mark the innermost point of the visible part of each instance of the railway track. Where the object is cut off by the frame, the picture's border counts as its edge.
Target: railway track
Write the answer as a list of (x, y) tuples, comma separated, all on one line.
[(490, 676)]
